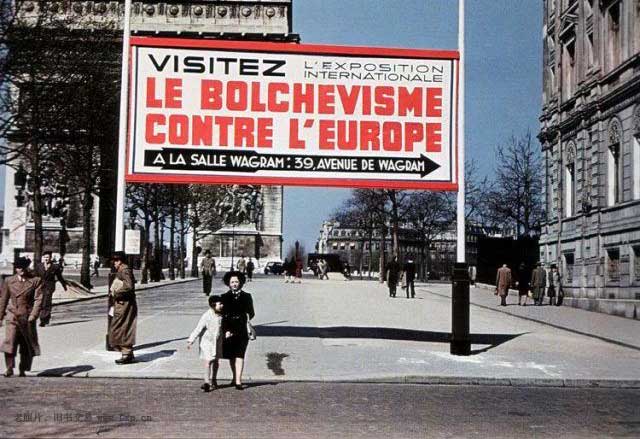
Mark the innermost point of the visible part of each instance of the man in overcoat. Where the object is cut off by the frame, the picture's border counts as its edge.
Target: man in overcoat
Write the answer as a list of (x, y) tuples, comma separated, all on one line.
[(503, 282), (49, 272), (208, 270), (393, 275), (123, 310), (20, 301), (538, 284), (410, 276)]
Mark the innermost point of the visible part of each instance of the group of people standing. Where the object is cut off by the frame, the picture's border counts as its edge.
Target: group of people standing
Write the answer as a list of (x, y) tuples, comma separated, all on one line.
[(534, 284), (405, 275)]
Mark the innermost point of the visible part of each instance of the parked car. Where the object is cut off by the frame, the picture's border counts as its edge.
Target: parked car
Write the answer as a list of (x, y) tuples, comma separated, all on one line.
[(274, 268)]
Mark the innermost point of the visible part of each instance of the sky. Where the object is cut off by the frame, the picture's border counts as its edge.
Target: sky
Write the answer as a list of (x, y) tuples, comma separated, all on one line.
[(503, 50), (503, 75)]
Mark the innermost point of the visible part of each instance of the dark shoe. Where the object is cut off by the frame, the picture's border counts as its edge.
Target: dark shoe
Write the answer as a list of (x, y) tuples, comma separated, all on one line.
[(214, 384), (239, 387), (22, 374), (126, 360), (206, 387), (8, 373), (42, 324)]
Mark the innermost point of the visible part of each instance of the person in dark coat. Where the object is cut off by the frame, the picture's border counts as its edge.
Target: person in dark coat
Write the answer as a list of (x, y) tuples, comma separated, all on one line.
[(21, 299), (208, 270), (237, 312), (409, 277), (524, 280), (49, 273), (392, 275), (503, 283), (123, 310), (538, 284), (250, 267)]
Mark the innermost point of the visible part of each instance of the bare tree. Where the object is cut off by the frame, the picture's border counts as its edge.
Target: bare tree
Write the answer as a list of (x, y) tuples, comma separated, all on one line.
[(515, 200)]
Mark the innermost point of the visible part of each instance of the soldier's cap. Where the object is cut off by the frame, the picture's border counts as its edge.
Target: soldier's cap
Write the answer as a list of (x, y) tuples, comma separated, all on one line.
[(229, 274), (538, 264), (22, 262), (554, 266), (213, 300), (119, 256)]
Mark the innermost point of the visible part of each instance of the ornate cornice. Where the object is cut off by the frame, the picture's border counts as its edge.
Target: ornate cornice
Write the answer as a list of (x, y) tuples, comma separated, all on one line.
[(199, 16)]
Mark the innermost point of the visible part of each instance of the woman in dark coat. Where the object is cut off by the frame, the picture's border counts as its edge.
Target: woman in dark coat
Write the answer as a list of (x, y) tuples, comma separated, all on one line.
[(21, 301), (237, 311)]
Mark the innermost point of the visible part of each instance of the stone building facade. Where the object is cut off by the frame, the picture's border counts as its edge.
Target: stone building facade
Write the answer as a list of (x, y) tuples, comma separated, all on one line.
[(590, 136), (269, 20)]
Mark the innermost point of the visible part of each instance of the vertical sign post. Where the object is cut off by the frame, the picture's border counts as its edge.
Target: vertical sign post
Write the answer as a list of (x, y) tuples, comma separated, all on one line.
[(460, 341), (122, 133)]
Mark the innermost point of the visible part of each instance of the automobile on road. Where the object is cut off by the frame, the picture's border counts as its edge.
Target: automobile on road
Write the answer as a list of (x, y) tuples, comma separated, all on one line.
[(274, 268)]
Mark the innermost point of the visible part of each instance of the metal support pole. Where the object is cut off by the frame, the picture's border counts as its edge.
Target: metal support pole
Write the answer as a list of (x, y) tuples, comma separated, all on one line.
[(122, 133), (460, 342)]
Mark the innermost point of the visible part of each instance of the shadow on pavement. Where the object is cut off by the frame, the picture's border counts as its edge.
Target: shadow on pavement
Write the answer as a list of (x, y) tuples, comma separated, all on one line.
[(146, 358), (69, 323), (158, 343), (493, 340), (65, 371)]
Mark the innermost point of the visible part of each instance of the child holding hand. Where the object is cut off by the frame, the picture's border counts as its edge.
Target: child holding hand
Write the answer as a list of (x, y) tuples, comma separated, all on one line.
[(209, 330)]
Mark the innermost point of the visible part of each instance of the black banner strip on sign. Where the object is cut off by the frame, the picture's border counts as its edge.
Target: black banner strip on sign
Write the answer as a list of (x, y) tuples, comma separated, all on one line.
[(188, 159)]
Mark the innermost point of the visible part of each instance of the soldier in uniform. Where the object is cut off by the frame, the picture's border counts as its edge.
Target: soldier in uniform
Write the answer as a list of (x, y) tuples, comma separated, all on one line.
[(21, 301), (48, 272), (208, 270), (123, 310)]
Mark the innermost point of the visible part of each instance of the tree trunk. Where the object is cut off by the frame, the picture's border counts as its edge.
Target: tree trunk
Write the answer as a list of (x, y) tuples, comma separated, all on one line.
[(370, 255), (394, 223), (172, 255), (383, 261), (194, 254), (182, 248), (38, 237), (87, 208), (146, 252)]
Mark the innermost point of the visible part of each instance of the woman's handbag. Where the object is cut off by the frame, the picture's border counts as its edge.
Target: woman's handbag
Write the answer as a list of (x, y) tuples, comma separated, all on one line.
[(530, 294)]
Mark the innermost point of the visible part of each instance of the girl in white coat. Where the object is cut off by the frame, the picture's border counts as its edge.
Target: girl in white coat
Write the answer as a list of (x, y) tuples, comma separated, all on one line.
[(209, 330)]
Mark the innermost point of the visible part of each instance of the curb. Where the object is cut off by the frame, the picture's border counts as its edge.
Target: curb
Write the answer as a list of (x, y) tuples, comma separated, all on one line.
[(580, 383), (138, 290)]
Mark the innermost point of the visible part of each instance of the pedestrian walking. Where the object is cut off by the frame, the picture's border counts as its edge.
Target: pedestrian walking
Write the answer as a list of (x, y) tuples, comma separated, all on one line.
[(524, 281), (21, 299), (503, 282), (392, 275), (554, 284), (49, 273), (210, 334), (346, 270), (250, 267), (298, 266), (538, 284), (242, 265), (237, 314), (123, 310), (96, 266), (409, 270), (323, 268), (208, 270)]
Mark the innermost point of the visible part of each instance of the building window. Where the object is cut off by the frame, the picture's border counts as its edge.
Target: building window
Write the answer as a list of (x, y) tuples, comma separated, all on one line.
[(613, 188), (568, 268), (614, 36), (335, 245), (568, 68), (636, 166), (589, 50), (569, 189), (613, 264), (636, 263), (342, 246)]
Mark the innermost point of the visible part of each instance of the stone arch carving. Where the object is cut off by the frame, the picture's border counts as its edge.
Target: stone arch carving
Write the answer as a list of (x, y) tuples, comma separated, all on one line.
[(570, 153), (636, 118), (614, 131)]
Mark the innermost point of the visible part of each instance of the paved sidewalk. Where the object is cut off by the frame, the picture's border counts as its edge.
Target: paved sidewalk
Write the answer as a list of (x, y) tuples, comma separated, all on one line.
[(333, 331), (614, 329)]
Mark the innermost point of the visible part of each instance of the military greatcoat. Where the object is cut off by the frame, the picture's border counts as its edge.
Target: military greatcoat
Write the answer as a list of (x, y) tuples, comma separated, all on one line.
[(19, 300), (122, 328)]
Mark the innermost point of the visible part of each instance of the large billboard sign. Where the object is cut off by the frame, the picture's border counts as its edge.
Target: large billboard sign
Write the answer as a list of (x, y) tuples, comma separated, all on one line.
[(215, 111)]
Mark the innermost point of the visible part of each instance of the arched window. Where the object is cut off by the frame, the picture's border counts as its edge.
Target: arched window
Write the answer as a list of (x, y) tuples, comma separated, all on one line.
[(614, 186)]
